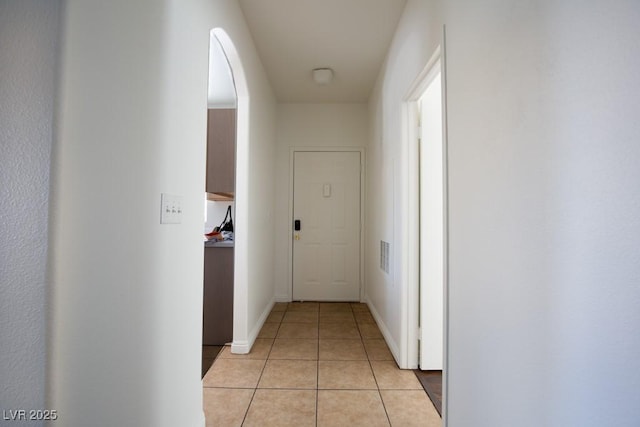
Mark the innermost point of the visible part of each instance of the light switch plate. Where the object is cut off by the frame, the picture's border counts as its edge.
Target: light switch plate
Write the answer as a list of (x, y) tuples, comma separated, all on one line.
[(326, 190), (170, 209)]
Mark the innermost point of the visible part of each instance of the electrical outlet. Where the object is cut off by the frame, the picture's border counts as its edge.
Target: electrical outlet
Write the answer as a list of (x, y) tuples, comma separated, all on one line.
[(170, 209)]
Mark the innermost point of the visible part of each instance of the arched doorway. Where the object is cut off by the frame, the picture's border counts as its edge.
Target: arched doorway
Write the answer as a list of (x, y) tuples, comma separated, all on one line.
[(228, 89)]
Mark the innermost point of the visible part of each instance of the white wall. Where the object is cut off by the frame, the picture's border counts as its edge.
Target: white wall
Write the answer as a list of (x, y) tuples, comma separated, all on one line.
[(127, 291), (307, 125), (221, 92), (543, 100), (416, 39), (259, 205), (29, 34), (544, 207)]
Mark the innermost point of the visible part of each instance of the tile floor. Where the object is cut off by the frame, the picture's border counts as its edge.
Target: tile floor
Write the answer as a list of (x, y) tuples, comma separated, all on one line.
[(209, 354), (315, 364)]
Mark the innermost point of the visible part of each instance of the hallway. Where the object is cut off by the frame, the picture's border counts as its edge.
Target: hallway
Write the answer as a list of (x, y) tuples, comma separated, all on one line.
[(315, 364)]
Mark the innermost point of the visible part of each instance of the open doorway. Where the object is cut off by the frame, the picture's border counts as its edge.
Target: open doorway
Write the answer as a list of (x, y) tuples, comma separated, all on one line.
[(218, 287), (428, 225), (431, 206), (225, 284), (431, 240)]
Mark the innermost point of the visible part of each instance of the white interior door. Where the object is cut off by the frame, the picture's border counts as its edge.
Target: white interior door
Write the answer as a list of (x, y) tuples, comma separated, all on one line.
[(431, 227), (326, 248)]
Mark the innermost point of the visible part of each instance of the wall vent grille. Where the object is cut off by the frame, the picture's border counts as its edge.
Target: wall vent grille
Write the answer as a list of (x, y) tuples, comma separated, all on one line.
[(384, 256)]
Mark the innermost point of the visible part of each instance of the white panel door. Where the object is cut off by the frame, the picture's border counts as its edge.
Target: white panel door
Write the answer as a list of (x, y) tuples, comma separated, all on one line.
[(326, 249)]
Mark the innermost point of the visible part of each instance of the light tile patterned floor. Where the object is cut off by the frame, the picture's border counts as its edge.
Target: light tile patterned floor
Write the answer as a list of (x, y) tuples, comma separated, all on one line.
[(315, 364)]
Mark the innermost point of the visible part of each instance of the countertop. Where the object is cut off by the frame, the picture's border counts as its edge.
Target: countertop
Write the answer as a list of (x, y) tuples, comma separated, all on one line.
[(223, 244)]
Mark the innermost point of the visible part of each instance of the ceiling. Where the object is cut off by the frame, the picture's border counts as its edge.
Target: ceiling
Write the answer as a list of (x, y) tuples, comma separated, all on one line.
[(295, 36)]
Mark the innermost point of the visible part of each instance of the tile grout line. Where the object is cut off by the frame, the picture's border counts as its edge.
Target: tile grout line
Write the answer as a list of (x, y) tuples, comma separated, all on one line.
[(255, 390), (360, 340), (253, 395), (375, 378), (246, 412)]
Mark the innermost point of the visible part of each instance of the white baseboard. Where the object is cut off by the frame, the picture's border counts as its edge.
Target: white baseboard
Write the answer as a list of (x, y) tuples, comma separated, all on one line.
[(241, 347), (393, 346), (244, 347), (283, 298)]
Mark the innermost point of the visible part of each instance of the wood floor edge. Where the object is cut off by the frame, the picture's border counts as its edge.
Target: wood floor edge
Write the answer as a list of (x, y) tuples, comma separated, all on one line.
[(432, 383)]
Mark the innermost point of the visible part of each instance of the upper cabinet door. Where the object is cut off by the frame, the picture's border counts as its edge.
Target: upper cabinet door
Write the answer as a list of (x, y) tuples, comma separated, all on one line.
[(221, 151)]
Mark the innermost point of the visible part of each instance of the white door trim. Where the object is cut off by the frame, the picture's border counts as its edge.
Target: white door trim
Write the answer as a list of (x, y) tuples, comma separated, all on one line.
[(292, 151), (410, 307), (412, 238)]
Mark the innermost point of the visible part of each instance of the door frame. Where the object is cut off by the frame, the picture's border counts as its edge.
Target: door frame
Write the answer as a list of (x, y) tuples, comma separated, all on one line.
[(292, 151), (411, 307), (431, 346)]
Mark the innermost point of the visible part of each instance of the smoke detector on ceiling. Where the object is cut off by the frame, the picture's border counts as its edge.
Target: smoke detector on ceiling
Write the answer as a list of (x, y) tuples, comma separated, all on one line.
[(323, 76)]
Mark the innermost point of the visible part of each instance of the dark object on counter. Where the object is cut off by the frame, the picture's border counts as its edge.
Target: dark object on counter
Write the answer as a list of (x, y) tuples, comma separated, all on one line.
[(226, 224)]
